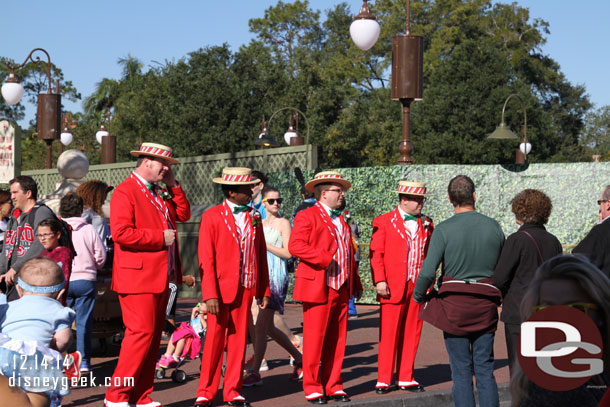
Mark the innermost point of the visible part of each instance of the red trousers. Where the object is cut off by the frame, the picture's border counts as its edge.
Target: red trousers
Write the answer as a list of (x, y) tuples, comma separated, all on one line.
[(324, 336), (143, 316), (230, 326), (399, 333)]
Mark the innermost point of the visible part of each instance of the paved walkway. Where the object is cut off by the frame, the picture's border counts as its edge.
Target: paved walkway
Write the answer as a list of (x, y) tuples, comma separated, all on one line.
[(359, 370)]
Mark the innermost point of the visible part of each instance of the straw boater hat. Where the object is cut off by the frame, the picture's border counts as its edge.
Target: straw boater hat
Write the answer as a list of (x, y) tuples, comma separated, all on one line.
[(155, 150), (326, 177), (236, 176), (411, 188)]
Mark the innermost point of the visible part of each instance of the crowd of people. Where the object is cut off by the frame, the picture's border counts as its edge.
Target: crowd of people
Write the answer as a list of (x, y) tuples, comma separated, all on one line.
[(245, 247)]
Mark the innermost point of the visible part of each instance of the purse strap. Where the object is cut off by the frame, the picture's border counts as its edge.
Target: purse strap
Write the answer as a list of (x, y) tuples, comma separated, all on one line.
[(535, 244)]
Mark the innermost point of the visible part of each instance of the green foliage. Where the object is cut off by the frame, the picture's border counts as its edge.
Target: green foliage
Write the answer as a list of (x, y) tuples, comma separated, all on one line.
[(595, 139), (476, 53), (574, 207)]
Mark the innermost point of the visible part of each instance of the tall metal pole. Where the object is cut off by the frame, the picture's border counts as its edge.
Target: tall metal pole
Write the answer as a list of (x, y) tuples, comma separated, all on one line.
[(407, 80)]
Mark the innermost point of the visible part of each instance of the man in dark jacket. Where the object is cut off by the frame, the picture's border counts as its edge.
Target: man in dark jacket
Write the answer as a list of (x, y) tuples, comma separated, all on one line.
[(596, 245), (20, 242)]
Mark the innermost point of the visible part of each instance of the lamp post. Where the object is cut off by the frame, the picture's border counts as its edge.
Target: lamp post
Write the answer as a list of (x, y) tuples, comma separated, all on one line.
[(505, 133), (291, 137), (49, 104), (107, 141), (407, 69), (264, 139)]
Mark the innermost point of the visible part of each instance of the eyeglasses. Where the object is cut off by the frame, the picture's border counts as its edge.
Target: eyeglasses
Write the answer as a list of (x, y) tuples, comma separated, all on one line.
[(339, 191), (415, 198), (599, 202), (272, 201), (43, 236), (581, 306)]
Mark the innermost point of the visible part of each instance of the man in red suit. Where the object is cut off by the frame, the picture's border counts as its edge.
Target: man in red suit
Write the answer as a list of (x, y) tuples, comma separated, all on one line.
[(233, 263), (143, 220), (325, 280), (398, 247)]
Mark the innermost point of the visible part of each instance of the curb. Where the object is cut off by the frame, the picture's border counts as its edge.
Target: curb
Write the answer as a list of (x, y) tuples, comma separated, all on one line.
[(432, 398)]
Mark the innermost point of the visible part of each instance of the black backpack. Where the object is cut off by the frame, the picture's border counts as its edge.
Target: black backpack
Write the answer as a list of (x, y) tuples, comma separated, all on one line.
[(66, 230)]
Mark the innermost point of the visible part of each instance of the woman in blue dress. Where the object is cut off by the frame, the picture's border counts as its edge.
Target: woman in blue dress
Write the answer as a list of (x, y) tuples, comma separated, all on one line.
[(277, 234)]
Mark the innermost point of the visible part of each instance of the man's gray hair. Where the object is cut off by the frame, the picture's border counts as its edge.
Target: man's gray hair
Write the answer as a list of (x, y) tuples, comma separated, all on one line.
[(606, 193)]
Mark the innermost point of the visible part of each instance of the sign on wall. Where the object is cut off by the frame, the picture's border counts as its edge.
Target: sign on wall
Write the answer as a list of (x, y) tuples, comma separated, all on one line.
[(9, 146)]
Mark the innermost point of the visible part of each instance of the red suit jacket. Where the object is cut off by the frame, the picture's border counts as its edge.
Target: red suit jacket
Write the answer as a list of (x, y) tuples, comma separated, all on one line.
[(219, 258), (313, 243), (140, 256), (389, 252)]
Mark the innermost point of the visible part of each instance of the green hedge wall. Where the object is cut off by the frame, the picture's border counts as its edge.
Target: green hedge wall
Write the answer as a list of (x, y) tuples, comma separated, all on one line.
[(574, 189)]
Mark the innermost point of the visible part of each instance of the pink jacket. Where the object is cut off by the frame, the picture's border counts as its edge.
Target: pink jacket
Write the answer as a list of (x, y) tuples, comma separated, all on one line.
[(90, 251)]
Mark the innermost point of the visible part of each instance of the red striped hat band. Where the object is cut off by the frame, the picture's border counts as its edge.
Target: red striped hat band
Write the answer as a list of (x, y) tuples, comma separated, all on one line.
[(236, 178), (325, 176), (405, 189), (155, 151)]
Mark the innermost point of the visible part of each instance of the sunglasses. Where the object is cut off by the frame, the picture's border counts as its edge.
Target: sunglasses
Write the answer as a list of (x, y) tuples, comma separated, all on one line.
[(581, 306), (599, 202), (272, 201)]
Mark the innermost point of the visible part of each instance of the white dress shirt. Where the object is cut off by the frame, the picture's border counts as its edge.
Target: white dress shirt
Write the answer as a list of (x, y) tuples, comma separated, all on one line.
[(240, 218), (411, 225), (336, 220)]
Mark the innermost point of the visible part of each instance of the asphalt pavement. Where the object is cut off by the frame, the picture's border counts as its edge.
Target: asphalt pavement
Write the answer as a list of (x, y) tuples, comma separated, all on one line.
[(359, 370)]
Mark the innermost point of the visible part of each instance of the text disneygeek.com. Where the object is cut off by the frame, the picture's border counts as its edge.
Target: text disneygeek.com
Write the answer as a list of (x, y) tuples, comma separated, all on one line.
[(65, 383)]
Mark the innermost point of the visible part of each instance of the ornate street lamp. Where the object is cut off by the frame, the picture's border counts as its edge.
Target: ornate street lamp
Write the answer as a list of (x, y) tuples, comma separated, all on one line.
[(505, 133), (365, 29), (107, 140), (49, 104), (291, 137), (407, 75)]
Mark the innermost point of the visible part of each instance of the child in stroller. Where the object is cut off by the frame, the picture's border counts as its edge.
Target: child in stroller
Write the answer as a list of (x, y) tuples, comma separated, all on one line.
[(186, 340)]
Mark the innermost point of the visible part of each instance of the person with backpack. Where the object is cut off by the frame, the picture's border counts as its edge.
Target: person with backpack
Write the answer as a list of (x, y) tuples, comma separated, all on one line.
[(20, 243), (91, 255)]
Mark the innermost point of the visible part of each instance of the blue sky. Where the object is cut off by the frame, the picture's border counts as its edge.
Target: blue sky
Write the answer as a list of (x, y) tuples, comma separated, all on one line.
[(85, 39)]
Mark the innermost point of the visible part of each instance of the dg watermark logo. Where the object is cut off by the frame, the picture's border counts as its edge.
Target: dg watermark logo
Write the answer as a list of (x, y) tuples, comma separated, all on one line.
[(560, 348)]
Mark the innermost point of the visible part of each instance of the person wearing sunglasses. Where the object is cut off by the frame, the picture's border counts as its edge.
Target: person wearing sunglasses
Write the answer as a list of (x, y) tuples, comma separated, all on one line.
[(522, 253), (596, 245), (570, 280), (277, 235), (325, 280)]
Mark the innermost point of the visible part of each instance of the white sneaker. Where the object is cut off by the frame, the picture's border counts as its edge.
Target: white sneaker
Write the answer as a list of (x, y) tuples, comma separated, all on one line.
[(119, 404)]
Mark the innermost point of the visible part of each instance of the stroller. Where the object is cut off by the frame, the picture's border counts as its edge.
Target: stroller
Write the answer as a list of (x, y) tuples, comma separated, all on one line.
[(193, 335)]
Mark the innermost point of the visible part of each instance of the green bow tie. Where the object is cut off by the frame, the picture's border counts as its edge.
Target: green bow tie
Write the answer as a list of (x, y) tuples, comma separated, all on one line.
[(410, 217), (241, 208), (151, 188), (335, 212)]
